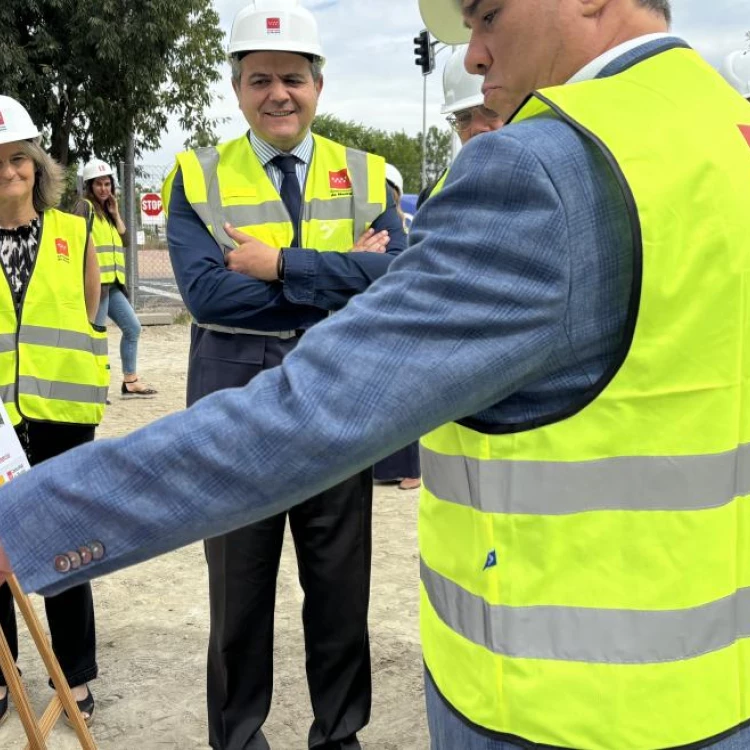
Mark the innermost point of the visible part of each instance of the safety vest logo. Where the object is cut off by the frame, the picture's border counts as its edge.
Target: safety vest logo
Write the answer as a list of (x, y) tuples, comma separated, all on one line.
[(745, 130), (491, 560), (339, 181), (3, 126), (62, 250), (273, 26)]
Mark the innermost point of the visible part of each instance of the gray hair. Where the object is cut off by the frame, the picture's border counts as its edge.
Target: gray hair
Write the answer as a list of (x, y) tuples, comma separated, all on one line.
[(316, 67), (49, 177), (658, 6)]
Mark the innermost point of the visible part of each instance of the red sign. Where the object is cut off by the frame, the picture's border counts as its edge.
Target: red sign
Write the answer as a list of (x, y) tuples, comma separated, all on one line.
[(273, 25), (339, 180), (745, 130), (151, 204)]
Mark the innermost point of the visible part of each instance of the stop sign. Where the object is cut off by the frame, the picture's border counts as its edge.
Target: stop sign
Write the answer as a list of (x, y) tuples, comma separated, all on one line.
[(151, 204)]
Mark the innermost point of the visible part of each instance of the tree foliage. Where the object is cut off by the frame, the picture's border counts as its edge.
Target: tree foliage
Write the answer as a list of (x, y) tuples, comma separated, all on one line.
[(402, 150), (89, 71)]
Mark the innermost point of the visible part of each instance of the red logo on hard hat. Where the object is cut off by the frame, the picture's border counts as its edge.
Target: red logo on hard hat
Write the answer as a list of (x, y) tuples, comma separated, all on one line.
[(745, 130), (102, 167), (273, 25), (339, 180), (2, 122), (62, 249)]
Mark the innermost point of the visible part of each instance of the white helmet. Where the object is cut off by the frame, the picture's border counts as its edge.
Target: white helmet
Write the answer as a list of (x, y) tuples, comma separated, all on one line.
[(96, 168), (462, 90), (444, 21), (275, 25), (393, 176), (736, 69), (15, 122)]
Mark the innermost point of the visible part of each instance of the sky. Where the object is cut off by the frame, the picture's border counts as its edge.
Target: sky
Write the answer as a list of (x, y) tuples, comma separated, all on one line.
[(370, 76)]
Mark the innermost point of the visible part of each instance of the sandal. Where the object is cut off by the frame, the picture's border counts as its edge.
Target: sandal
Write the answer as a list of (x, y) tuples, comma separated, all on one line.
[(410, 483), (85, 706), (146, 392)]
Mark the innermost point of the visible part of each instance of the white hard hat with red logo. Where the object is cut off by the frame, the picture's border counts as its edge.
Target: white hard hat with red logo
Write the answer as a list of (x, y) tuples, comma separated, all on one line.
[(462, 89), (444, 20), (275, 26), (15, 122), (96, 168), (736, 69)]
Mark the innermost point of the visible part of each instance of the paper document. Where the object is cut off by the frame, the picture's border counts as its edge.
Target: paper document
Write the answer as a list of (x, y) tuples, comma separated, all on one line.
[(13, 460)]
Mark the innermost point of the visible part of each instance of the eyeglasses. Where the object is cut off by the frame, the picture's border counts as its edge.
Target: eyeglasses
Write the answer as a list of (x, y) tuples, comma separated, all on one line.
[(463, 118)]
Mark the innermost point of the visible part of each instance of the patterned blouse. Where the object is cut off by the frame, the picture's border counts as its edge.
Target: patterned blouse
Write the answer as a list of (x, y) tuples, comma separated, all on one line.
[(18, 249)]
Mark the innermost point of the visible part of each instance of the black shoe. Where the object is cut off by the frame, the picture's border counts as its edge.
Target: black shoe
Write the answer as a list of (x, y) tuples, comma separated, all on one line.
[(143, 393), (4, 708), (85, 706)]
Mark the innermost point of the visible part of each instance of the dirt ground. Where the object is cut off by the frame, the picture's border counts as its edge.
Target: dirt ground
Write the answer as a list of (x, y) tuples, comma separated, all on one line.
[(152, 620)]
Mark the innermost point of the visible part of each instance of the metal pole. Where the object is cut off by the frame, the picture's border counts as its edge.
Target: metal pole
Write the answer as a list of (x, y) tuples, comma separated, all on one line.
[(131, 255), (424, 132)]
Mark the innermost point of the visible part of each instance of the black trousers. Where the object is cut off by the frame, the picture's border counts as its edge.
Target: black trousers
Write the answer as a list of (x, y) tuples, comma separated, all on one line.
[(332, 537), (70, 615)]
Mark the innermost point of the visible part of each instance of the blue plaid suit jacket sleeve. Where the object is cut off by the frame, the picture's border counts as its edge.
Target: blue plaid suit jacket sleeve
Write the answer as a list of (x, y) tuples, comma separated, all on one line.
[(475, 312)]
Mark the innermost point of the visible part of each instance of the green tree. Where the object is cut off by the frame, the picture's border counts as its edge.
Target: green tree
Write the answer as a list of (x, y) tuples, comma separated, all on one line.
[(400, 149), (92, 71), (438, 148)]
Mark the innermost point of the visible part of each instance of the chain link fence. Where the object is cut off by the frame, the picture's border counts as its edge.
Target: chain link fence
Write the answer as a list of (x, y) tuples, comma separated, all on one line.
[(154, 283)]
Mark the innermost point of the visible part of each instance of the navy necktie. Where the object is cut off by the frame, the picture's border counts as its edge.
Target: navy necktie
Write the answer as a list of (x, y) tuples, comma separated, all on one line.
[(290, 192)]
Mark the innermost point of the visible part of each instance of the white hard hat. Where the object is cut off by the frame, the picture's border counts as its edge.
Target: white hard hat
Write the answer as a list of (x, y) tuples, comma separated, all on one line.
[(444, 20), (462, 90), (96, 168), (393, 176), (736, 69), (15, 122), (275, 25)]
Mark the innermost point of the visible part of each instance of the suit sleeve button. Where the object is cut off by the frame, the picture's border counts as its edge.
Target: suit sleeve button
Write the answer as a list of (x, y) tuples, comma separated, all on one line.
[(62, 563), (97, 550), (75, 559), (85, 553)]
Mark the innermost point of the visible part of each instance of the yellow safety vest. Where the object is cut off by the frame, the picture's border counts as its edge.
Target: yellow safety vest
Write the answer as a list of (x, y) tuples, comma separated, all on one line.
[(586, 584), (109, 249), (343, 194), (53, 364)]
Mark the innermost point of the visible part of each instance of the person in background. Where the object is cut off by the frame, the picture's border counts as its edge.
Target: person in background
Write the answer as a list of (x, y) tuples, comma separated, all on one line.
[(403, 465), (464, 104), (312, 225), (54, 375), (99, 206)]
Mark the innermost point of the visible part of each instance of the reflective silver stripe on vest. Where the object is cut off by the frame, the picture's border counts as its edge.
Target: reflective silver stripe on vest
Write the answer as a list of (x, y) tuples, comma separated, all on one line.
[(364, 212), (557, 488), (610, 636), (7, 342), (247, 331), (8, 393), (107, 269), (335, 209), (41, 336), (104, 249), (87, 394)]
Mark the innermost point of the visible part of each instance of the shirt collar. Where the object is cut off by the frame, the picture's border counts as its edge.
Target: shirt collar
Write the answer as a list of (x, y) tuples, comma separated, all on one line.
[(265, 151), (597, 65)]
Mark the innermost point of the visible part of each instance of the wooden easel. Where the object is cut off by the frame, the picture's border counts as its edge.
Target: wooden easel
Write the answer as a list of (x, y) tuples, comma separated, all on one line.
[(38, 731)]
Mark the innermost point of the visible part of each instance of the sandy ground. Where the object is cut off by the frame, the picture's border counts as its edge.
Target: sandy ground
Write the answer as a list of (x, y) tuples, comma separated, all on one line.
[(152, 620)]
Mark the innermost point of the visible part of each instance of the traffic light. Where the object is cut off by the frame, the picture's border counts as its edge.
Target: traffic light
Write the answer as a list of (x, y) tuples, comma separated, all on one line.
[(425, 56)]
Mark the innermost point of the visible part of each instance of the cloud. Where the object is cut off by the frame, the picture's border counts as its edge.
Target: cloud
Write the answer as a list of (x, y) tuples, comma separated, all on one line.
[(370, 75)]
